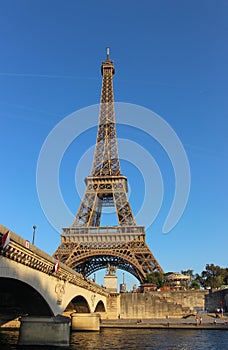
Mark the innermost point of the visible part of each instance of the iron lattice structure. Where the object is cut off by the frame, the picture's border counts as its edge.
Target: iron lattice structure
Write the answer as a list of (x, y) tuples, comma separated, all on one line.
[(86, 246)]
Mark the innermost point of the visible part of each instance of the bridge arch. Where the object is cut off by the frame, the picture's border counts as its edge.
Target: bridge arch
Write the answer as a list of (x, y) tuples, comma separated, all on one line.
[(100, 307), (18, 298), (42, 284), (78, 304)]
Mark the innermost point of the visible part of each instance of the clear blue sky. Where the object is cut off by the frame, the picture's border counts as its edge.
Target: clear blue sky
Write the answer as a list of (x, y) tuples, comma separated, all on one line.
[(170, 57)]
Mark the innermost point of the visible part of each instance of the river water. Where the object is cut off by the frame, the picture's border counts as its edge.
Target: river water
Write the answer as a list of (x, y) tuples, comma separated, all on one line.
[(132, 339)]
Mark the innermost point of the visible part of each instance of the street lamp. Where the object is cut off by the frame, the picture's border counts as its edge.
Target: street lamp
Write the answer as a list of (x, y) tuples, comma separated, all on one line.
[(34, 232)]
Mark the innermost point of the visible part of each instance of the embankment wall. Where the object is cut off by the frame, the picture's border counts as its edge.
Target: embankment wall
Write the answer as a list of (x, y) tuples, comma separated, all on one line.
[(217, 299), (161, 304)]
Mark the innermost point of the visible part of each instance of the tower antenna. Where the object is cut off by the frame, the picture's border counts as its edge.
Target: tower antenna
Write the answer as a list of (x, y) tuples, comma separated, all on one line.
[(108, 53)]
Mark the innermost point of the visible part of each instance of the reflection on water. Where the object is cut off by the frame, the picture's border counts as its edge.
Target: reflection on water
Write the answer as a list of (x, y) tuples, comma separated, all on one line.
[(8, 339), (132, 339), (122, 339)]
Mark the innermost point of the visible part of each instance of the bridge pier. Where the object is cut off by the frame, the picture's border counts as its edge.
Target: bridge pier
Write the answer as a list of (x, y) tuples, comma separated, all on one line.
[(85, 322), (52, 331)]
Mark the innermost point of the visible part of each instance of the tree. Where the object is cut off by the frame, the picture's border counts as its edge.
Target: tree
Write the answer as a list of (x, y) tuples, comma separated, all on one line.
[(193, 283), (213, 276), (188, 273), (225, 276), (156, 278)]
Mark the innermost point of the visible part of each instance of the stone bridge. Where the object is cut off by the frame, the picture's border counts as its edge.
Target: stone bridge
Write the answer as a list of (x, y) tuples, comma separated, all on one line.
[(29, 284)]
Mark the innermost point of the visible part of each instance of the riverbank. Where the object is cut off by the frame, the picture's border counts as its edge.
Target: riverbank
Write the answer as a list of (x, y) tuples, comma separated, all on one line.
[(206, 323)]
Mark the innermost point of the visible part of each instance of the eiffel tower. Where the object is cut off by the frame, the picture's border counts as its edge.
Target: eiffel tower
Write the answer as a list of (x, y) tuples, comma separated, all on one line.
[(85, 245)]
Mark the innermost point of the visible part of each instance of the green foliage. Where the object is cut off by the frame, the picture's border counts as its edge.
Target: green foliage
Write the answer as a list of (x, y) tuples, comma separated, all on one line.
[(194, 285), (213, 276), (156, 278), (188, 273)]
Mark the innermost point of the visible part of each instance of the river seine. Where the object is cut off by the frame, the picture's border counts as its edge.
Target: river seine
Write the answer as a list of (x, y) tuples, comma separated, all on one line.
[(132, 339)]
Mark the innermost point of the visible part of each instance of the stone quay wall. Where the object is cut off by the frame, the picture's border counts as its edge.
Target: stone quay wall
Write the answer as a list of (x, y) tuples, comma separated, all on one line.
[(161, 304), (217, 300), (194, 299)]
